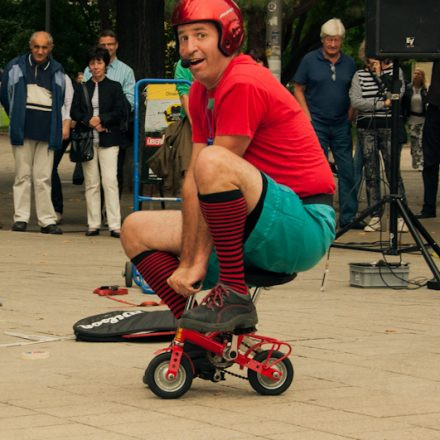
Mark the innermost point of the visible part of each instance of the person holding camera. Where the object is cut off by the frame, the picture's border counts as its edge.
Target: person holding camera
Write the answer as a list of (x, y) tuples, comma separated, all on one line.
[(370, 96)]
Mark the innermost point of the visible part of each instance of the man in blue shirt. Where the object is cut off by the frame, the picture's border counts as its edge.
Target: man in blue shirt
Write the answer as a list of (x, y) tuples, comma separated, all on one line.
[(322, 83), (123, 74)]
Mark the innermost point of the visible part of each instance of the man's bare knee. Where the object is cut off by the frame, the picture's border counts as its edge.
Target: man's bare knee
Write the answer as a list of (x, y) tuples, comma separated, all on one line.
[(211, 159), (130, 237), (217, 169), (213, 169), (152, 230)]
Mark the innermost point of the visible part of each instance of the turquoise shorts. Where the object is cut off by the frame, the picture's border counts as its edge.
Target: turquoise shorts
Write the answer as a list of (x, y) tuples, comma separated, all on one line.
[(289, 236)]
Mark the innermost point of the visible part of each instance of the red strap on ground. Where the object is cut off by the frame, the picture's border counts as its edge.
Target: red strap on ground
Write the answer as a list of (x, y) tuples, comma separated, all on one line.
[(110, 291)]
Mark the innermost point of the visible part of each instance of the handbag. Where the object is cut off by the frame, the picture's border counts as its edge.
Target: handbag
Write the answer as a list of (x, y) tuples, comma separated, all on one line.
[(81, 145)]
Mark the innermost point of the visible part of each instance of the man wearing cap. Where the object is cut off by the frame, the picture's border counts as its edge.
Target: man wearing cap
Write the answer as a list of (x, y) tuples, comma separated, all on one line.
[(322, 83), (258, 191)]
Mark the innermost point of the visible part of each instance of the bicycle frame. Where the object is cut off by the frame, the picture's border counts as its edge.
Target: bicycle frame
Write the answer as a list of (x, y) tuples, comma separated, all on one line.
[(229, 350)]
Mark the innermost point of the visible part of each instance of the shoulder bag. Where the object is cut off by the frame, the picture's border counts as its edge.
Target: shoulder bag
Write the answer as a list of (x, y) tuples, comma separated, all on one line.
[(81, 146)]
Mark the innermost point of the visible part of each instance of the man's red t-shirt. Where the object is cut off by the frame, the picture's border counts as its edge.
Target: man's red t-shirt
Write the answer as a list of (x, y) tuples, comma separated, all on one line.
[(250, 101)]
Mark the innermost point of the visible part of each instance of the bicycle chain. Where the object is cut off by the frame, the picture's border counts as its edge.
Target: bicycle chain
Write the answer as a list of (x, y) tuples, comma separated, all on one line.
[(236, 375), (239, 376)]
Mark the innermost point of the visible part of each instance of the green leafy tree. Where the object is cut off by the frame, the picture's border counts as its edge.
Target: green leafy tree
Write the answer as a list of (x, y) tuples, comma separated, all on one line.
[(74, 25), (302, 21)]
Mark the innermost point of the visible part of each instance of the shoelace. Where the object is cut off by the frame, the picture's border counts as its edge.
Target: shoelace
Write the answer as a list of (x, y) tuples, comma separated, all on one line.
[(215, 297)]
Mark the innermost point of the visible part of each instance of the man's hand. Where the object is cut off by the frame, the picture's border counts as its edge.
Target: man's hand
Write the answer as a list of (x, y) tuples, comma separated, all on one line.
[(95, 121), (66, 129), (187, 280)]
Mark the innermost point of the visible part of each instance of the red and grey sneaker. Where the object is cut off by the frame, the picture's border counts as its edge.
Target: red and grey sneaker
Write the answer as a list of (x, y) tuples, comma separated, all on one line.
[(222, 309)]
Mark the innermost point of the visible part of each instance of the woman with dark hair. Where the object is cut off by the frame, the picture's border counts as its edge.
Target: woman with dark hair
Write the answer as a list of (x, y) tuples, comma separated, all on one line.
[(102, 113)]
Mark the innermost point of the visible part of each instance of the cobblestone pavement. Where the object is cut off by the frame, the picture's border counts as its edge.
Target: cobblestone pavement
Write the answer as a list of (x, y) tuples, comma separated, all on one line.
[(366, 360)]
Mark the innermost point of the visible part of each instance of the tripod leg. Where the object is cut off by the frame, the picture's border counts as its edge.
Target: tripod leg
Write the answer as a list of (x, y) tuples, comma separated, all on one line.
[(359, 218), (421, 229), (415, 227)]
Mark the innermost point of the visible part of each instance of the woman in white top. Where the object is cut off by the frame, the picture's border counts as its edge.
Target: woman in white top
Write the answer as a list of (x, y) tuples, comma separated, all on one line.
[(106, 101), (416, 99)]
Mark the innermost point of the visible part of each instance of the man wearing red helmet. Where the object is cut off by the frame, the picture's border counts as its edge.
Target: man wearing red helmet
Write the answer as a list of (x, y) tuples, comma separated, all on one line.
[(258, 191)]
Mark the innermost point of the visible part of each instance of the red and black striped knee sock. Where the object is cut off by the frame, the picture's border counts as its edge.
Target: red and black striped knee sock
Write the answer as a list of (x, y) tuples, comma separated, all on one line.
[(155, 267), (226, 214)]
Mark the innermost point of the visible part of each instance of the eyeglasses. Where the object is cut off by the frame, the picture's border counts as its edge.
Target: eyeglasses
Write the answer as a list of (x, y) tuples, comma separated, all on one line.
[(333, 69), (37, 47)]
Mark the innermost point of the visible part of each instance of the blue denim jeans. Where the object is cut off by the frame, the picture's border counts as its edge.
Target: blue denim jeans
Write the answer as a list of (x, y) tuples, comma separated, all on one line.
[(358, 164), (337, 138)]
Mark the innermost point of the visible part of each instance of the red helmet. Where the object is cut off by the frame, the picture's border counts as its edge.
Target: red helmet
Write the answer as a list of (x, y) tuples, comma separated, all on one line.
[(224, 13)]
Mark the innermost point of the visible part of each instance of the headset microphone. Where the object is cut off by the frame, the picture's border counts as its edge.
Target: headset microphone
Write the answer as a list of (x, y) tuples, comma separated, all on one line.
[(186, 63)]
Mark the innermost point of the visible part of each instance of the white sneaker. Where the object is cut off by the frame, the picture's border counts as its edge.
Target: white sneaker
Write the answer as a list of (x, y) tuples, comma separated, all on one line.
[(373, 225), (401, 225)]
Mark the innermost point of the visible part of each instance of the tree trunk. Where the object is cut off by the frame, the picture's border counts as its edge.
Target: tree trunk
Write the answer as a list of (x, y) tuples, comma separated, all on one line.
[(104, 7), (140, 29)]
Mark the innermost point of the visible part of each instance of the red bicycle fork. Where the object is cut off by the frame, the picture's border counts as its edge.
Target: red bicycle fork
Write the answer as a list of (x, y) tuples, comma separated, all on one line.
[(228, 350)]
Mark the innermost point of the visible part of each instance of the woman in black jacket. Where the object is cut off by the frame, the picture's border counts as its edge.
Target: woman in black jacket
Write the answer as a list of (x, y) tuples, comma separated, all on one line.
[(102, 112)]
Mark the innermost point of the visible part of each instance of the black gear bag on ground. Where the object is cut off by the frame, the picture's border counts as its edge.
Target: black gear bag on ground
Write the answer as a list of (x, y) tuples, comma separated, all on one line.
[(126, 325)]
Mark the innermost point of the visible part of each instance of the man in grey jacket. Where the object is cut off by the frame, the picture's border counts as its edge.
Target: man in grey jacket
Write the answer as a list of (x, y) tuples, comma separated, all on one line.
[(32, 93)]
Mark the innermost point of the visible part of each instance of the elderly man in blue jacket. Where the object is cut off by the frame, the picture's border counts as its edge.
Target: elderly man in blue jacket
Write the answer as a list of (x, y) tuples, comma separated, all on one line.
[(32, 93)]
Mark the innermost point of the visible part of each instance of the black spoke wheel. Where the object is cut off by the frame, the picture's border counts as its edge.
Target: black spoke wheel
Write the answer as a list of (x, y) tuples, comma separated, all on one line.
[(266, 385), (156, 377), (128, 274)]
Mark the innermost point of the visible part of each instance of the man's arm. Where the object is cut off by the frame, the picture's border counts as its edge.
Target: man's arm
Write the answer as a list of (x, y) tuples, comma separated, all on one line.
[(128, 86), (196, 238), (65, 110), (183, 88), (87, 74), (300, 96), (196, 244), (351, 113), (184, 99)]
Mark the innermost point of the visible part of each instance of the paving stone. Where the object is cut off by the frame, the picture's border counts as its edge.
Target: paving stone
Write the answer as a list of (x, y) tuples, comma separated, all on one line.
[(366, 360)]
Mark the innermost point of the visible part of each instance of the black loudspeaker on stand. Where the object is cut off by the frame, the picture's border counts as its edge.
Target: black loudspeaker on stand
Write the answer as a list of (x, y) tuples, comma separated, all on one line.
[(405, 29), (383, 43)]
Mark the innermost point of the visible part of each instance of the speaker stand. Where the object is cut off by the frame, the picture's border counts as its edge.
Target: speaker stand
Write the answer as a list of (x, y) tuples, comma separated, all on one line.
[(397, 205)]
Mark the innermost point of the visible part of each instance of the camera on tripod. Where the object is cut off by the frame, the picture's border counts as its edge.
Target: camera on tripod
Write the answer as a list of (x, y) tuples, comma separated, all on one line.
[(385, 83)]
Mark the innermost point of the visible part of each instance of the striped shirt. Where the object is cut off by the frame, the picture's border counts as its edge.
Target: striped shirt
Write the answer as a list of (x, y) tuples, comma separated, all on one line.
[(367, 95), (38, 101)]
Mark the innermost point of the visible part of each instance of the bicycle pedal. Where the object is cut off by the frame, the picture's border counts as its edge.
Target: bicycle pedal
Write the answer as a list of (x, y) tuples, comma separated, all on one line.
[(244, 330)]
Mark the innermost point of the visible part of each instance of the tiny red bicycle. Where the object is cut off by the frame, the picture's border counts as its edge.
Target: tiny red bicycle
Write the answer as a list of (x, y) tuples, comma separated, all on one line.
[(269, 370)]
